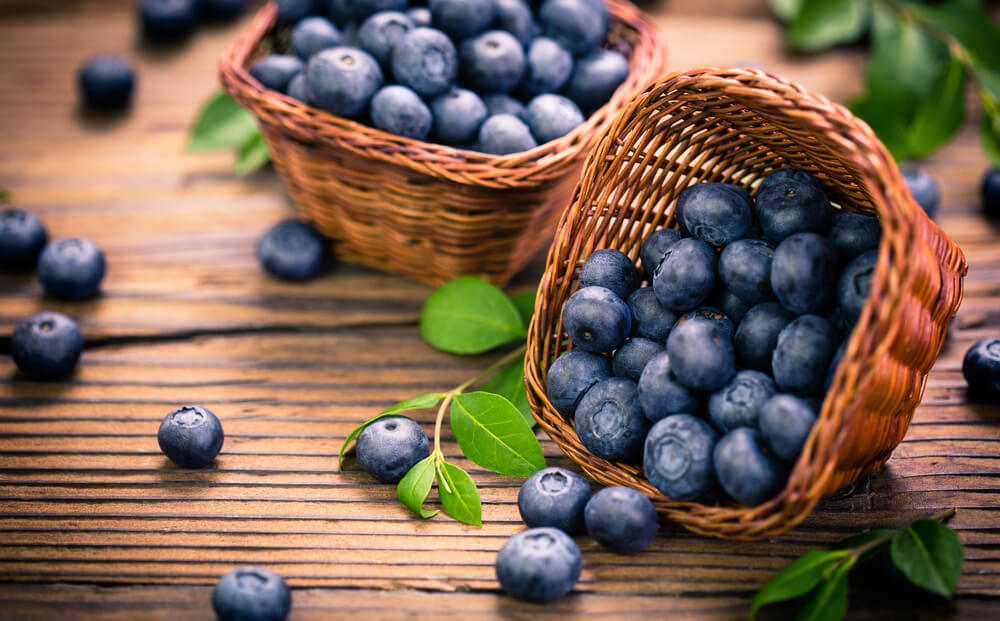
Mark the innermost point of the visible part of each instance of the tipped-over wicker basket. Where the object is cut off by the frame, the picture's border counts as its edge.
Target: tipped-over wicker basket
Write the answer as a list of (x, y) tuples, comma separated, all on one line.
[(735, 126), (428, 211)]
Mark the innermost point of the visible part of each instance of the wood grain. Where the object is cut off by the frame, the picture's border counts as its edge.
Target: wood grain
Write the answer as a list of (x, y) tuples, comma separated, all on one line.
[(96, 524)]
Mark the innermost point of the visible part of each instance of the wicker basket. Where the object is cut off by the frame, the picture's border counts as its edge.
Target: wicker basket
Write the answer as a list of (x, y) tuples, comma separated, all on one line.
[(428, 211), (734, 126)]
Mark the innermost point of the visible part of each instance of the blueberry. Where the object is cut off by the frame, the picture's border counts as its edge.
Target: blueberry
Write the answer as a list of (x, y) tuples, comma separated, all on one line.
[(251, 594), (981, 368), (650, 319), (539, 565), (22, 237), (168, 21), (853, 233), (785, 423), (631, 358), (502, 103), (701, 354), (292, 250), (571, 376), (855, 284), (924, 189), (381, 33), (686, 275), (831, 369), (297, 89), (655, 248), (504, 134), (745, 267), (577, 25), (312, 35), (106, 82), (803, 273), (554, 497), (802, 355), (678, 457), (611, 269), (712, 314), (294, 11), (364, 8), (660, 394), (342, 80), (492, 62), (276, 71), (757, 335), (738, 403), (458, 115), (425, 60), (46, 346), (71, 269), (596, 77), (621, 519), (548, 68), (792, 201), (462, 18), (420, 16), (596, 319), (390, 446), (516, 17), (729, 303), (744, 470), (190, 436), (609, 420), (398, 110), (990, 192), (552, 116), (717, 213), (221, 10)]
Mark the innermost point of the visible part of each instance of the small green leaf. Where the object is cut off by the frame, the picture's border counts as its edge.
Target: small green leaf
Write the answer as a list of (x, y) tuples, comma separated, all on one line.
[(493, 433), (858, 541), (525, 304), (470, 316), (509, 383), (800, 577), (421, 402), (414, 487), (787, 10), (459, 496), (830, 601), (253, 155), (991, 139), (930, 555), (822, 23), (939, 117), (222, 124)]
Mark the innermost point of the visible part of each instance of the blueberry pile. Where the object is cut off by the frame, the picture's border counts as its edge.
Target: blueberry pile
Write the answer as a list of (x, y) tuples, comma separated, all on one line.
[(712, 375), (496, 76)]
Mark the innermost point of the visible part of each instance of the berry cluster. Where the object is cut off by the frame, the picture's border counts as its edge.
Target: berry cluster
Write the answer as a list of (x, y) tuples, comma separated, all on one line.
[(495, 76)]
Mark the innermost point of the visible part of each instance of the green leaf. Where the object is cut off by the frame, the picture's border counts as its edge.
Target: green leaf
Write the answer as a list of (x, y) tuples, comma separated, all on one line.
[(253, 155), (509, 383), (858, 541), (493, 433), (470, 316), (822, 23), (525, 304), (421, 402), (830, 601), (459, 496), (800, 577), (991, 139), (414, 487), (930, 555), (787, 10), (222, 124), (938, 117)]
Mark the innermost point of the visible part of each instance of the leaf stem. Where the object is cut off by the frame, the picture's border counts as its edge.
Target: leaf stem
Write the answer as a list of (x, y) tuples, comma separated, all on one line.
[(874, 543)]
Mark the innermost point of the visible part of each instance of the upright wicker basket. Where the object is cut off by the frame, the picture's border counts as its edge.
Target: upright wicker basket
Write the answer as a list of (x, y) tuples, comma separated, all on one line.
[(734, 126), (428, 211)]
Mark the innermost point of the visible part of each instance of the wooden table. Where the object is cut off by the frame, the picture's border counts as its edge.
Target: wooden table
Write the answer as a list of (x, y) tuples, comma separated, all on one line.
[(95, 523)]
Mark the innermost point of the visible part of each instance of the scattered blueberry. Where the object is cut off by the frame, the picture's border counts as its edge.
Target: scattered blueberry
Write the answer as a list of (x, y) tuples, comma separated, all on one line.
[(853, 233), (981, 368), (294, 11), (716, 213), (611, 269), (504, 134), (655, 248), (631, 358), (609, 420), (292, 250), (596, 77), (712, 314), (576, 25), (757, 335), (190, 436), (502, 103), (552, 116), (380, 33), (297, 88), (744, 469), (458, 115), (168, 21), (923, 188), (71, 269), (660, 394), (390, 446), (312, 35), (792, 201), (686, 275), (650, 319), (548, 67), (420, 16), (678, 456), (106, 82), (990, 191), (596, 319), (342, 80), (802, 356), (745, 267), (701, 354), (571, 376), (554, 497), (621, 519), (22, 237), (251, 594), (275, 71), (738, 403), (855, 284), (46, 346), (803, 273), (785, 423), (516, 17), (425, 59), (462, 18), (539, 564)]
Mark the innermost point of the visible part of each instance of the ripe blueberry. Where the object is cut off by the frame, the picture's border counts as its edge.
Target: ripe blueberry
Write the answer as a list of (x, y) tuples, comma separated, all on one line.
[(729, 303), (554, 497), (678, 456), (701, 354), (609, 420), (791, 201), (571, 376), (190, 436), (390, 446), (596, 319), (492, 62), (660, 394), (313, 34), (738, 403), (655, 248), (548, 67), (611, 269), (398, 110), (924, 189), (71, 269), (251, 594), (297, 88), (342, 80), (458, 115), (22, 237), (716, 213), (981, 368), (803, 273), (631, 358), (552, 116), (576, 25), (168, 21), (504, 134), (621, 519), (990, 191), (275, 71), (106, 82), (292, 250), (502, 103), (46, 346), (710, 313), (744, 469), (855, 284), (650, 319), (538, 564), (785, 423), (596, 77), (516, 17), (745, 267), (757, 335), (853, 233), (802, 356), (426, 60), (686, 275), (380, 33), (462, 19)]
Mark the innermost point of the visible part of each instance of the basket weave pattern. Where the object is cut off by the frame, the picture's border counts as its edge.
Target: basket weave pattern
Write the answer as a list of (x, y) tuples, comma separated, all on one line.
[(427, 211), (735, 126)]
